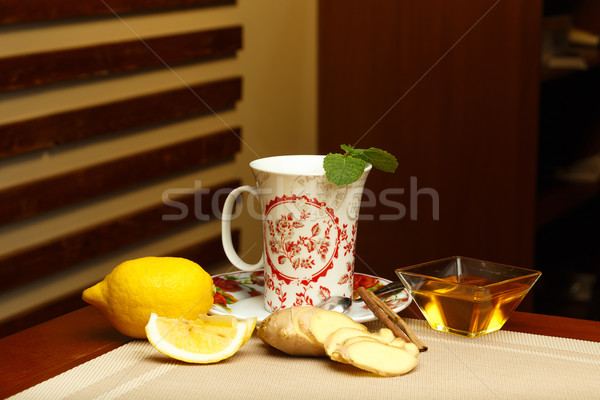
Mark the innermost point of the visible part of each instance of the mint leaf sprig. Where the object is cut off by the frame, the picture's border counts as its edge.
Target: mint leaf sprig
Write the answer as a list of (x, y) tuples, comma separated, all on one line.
[(343, 169)]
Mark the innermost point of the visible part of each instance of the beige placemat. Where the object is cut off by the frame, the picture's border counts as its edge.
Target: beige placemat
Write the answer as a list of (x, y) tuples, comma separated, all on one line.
[(501, 365)]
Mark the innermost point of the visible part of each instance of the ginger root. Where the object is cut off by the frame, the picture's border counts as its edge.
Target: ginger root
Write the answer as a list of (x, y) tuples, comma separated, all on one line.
[(339, 337), (283, 330), (325, 322), (311, 331), (378, 357)]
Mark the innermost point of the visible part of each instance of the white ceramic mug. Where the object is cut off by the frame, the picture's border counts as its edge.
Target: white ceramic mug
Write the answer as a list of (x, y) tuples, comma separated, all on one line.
[(309, 230)]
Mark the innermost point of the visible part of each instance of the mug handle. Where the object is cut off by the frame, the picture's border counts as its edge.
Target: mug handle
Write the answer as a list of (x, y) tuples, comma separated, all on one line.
[(230, 252)]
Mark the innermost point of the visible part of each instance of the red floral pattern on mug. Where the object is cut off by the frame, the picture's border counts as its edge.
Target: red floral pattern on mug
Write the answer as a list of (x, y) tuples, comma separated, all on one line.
[(290, 245), (303, 238), (287, 247), (349, 239), (324, 293), (344, 279), (302, 298)]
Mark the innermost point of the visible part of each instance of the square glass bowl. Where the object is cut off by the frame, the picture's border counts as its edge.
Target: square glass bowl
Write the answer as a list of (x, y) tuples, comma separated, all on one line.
[(465, 296)]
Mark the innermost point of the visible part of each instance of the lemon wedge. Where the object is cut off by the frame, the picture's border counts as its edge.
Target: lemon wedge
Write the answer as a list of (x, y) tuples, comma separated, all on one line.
[(206, 339), (250, 326)]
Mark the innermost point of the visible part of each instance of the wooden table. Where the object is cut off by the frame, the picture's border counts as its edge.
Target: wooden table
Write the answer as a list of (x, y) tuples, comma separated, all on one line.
[(46, 350)]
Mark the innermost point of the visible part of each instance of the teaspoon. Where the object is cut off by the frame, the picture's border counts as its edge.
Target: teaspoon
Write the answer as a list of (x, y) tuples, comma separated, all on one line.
[(343, 304)]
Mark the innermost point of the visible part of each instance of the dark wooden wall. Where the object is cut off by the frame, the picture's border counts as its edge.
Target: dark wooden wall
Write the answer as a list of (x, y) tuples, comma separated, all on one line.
[(451, 88)]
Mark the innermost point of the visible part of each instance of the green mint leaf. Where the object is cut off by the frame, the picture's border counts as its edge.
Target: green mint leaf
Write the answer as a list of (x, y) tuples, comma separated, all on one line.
[(380, 159), (347, 148), (359, 153), (343, 169)]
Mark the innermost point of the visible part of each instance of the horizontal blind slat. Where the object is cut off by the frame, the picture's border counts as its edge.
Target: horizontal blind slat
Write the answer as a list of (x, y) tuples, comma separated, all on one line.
[(28, 265), (22, 11), (65, 65), (69, 126), (32, 198)]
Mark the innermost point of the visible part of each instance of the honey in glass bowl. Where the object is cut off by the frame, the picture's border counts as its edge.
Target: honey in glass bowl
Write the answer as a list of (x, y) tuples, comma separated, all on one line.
[(467, 297)]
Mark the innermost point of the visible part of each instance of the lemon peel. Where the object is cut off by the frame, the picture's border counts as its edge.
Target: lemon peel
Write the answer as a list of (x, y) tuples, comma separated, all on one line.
[(207, 339), (172, 287)]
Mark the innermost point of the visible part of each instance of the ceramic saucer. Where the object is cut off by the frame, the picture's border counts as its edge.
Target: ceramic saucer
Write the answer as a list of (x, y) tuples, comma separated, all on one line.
[(240, 294)]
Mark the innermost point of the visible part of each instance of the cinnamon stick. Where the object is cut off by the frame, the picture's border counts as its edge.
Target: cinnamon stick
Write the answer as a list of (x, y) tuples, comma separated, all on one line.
[(390, 319)]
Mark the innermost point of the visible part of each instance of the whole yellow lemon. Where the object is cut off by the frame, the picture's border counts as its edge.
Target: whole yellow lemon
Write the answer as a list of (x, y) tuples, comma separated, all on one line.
[(171, 287)]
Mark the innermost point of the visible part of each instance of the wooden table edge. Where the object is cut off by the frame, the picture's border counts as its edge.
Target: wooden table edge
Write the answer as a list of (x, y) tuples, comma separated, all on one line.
[(538, 324), (41, 352)]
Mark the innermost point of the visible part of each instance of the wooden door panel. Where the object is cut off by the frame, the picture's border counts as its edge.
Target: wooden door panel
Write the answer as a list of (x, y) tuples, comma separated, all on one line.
[(451, 90)]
